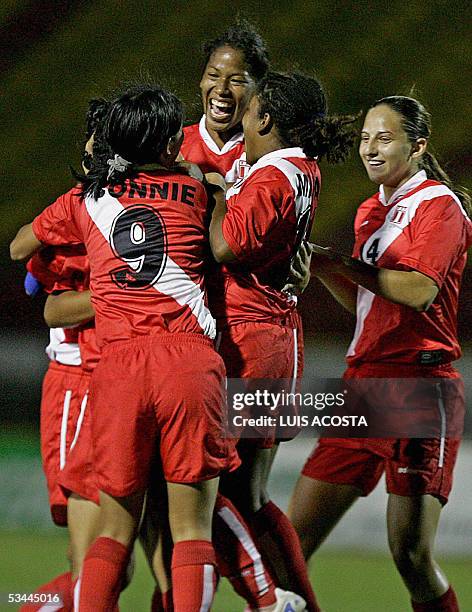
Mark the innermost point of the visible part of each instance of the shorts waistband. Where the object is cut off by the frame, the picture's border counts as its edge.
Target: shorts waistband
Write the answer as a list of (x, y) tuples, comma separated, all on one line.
[(162, 338), (65, 367), (291, 319), (397, 370)]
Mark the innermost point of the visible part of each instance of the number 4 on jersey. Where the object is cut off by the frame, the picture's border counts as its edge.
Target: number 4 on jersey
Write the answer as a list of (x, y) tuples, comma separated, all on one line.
[(373, 253)]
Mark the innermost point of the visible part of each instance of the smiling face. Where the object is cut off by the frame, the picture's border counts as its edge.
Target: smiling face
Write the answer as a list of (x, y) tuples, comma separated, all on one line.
[(226, 88), (388, 156)]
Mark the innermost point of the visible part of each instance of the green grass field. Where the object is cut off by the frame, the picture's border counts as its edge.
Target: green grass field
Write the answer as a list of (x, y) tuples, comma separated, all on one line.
[(345, 582)]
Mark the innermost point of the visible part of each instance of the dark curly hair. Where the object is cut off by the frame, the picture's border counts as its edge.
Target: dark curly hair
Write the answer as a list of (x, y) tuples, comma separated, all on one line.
[(297, 105), (242, 35)]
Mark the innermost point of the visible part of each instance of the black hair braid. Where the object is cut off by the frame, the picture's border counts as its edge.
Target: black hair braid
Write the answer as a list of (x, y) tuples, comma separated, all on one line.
[(297, 105)]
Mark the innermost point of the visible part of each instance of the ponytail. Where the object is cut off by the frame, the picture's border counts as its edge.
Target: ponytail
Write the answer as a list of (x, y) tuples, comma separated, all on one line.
[(329, 137), (434, 171), (134, 132)]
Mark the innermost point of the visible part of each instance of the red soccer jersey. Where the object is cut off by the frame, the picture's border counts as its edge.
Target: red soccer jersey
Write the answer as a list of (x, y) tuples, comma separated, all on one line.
[(47, 265), (269, 213), (200, 148), (422, 227), (59, 269), (145, 242), (75, 276)]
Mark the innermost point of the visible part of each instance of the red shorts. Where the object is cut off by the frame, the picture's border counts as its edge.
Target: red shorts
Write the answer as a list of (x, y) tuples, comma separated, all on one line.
[(413, 466), (161, 394), (78, 475), (262, 351), (63, 400)]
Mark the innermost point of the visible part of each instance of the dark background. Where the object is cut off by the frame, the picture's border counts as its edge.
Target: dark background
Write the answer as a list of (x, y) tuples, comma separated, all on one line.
[(56, 55)]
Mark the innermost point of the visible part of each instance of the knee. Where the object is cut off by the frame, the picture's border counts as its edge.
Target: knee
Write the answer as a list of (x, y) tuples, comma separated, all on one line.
[(411, 558)]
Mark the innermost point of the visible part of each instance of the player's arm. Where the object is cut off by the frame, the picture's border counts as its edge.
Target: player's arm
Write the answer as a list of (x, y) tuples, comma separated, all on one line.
[(219, 247), (409, 288), (244, 230), (24, 244), (68, 308)]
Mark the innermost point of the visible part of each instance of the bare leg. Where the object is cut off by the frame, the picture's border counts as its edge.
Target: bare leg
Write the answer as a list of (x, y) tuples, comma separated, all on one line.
[(193, 558), (191, 509), (247, 486), (315, 509), (82, 518), (412, 523), (156, 538), (104, 567)]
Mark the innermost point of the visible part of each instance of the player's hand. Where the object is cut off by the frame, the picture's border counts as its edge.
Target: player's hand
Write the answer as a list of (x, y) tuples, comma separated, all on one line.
[(325, 260), (213, 178), (191, 169), (32, 285), (299, 276)]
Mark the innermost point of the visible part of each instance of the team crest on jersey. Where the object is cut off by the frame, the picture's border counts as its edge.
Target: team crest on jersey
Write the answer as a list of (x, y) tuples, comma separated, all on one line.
[(243, 169), (398, 214)]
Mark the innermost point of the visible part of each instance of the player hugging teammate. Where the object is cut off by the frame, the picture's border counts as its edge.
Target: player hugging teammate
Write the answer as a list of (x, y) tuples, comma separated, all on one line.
[(155, 407)]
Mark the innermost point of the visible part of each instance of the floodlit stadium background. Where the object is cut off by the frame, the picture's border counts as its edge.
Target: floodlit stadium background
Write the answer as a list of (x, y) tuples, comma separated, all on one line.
[(56, 55)]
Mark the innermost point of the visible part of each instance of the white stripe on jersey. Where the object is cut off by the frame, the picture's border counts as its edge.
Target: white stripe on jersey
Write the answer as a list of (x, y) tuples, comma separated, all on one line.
[(291, 171), (386, 235), (173, 282), (365, 299), (390, 230), (208, 587)]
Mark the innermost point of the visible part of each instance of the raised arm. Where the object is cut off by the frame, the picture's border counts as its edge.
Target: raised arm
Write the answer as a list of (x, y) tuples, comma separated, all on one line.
[(24, 244)]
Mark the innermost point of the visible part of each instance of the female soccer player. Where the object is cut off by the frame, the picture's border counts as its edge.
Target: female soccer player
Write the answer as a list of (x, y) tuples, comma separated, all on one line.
[(234, 62), (255, 236), (63, 274), (414, 234), (159, 378)]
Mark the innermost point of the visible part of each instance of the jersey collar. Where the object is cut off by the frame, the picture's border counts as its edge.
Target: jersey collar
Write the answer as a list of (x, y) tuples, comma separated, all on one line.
[(281, 153), (211, 144), (411, 183)]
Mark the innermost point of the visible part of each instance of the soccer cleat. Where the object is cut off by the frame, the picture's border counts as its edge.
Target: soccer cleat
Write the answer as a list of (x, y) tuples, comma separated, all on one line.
[(288, 602)]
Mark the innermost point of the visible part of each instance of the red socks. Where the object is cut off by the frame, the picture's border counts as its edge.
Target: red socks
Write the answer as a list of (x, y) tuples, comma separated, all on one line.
[(278, 542), (162, 602), (193, 576), (446, 603), (238, 558), (101, 579), (62, 586)]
